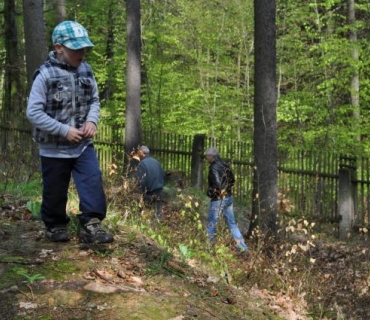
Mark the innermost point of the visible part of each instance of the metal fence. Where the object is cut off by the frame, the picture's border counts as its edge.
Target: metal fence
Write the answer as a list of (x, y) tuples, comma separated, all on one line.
[(308, 180)]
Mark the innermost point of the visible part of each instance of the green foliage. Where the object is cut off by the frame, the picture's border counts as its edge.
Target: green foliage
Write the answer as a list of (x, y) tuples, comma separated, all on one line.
[(74, 225), (30, 278), (185, 252), (35, 208), (188, 48), (197, 59), (316, 67), (31, 188), (157, 266)]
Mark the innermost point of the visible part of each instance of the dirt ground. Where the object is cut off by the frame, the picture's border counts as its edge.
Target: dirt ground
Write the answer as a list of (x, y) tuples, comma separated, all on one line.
[(124, 280), (135, 278)]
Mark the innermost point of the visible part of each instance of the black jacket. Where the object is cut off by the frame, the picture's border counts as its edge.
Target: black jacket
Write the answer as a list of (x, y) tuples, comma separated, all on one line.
[(220, 180)]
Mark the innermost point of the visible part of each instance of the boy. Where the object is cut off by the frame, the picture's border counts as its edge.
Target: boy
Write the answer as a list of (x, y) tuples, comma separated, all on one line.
[(64, 108)]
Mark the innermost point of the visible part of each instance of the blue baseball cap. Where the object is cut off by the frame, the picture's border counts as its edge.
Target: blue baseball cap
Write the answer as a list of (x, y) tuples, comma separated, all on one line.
[(72, 35)]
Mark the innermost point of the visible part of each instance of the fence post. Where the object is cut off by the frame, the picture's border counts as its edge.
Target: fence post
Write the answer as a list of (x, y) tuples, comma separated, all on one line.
[(197, 161), (346, 197)]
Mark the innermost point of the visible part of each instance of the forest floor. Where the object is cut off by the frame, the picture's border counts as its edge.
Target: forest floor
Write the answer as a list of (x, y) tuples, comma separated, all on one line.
[(135, 278), (124, 280)]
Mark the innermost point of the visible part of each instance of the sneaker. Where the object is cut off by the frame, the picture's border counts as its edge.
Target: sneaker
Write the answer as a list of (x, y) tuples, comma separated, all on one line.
[(92, 232), (243, 248), (57, 234), (244, 251), (157, 217)]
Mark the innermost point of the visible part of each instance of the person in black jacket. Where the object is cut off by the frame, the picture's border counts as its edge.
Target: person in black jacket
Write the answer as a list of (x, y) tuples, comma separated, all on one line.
[(150, 177), (220, 182)]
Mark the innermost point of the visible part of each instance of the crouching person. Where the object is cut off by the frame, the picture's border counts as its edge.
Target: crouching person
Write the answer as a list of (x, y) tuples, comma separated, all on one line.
[(150, 177)]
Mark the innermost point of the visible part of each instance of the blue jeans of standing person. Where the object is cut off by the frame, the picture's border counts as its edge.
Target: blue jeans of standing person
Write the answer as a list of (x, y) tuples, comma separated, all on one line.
[(224, 207), (56, 176)]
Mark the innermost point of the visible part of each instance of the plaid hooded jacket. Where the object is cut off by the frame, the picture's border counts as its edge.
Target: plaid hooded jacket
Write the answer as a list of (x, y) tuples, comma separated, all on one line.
[(61, 96)]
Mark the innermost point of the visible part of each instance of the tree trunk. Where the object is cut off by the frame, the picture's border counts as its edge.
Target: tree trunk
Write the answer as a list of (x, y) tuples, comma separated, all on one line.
[(197, 161), (13, 84), (133, 82), (34, 34), (59, 7), (108, 87), (355, 81), (265, 127)]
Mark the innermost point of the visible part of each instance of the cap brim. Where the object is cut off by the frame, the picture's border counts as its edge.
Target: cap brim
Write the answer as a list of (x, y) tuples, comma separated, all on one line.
[(78, 44)]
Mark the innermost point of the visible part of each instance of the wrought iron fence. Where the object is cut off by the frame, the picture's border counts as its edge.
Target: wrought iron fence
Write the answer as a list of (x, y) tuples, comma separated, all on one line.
[(308, 180)]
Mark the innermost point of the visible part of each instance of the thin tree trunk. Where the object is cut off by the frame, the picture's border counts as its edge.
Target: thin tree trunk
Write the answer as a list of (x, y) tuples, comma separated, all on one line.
[(355, 81), (34, 34), (108, 89), (13, 87), (35, 42), (59, 7), (133, 86)]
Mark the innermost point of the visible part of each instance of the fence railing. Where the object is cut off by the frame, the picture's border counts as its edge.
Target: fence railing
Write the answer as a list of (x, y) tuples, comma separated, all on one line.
[(309, 180)]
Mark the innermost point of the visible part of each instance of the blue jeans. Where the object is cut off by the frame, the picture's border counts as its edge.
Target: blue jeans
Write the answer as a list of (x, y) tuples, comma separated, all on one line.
[(56, 176), (225, 207)]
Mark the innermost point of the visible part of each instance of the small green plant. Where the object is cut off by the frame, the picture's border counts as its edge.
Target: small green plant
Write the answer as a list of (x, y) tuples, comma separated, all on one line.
[(185, 252), (101, 250), (114, 219), (31, 278), (155, 235), (73, 199), (159, 264), (35, 209), (74, 225)]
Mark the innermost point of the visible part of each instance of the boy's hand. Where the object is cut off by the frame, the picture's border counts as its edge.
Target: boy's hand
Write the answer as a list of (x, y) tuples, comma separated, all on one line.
[(74, 135), (89, 130)]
